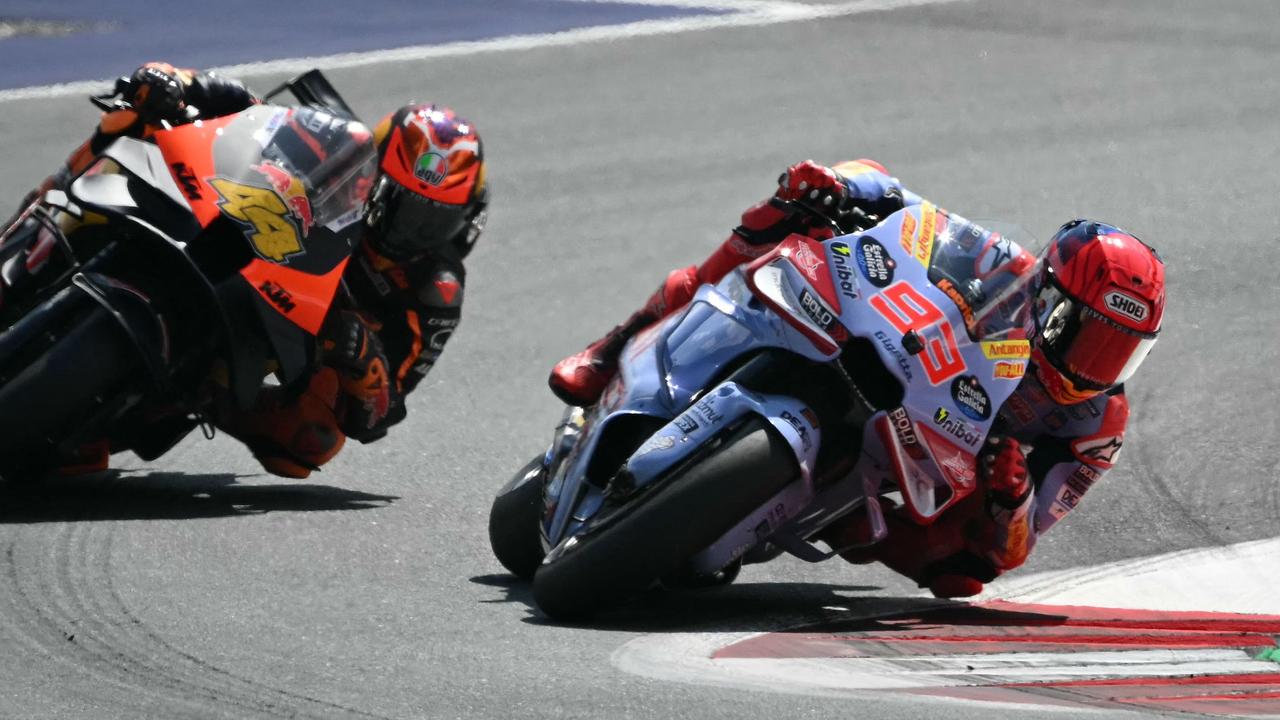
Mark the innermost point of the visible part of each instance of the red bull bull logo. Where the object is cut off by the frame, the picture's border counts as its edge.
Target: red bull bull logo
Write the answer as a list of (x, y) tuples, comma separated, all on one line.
[(291, 190)]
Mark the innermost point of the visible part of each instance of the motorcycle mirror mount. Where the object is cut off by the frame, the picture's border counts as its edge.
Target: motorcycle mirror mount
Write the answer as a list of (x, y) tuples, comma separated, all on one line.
[(912, 343)]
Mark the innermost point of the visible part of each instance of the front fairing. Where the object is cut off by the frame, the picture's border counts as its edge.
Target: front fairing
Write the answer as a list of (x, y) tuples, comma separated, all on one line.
[(661, 371), (953, 383)]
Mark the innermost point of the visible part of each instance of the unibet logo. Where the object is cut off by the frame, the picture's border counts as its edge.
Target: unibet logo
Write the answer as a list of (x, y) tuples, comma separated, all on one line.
[(1124, 305)]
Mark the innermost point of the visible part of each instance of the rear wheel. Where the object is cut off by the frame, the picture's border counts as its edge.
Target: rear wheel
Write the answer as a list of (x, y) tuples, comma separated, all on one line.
[(513, 521), (666, 528)]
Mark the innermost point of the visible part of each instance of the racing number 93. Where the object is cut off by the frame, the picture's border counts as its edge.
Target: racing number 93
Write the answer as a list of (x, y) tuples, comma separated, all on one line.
[(273, 235), (906, 309)]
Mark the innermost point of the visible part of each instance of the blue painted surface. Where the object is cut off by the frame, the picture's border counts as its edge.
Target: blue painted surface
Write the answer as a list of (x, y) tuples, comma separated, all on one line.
[(225, 32)]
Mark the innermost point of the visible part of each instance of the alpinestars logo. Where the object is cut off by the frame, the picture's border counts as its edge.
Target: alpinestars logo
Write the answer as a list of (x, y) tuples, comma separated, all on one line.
[(1100, 451)]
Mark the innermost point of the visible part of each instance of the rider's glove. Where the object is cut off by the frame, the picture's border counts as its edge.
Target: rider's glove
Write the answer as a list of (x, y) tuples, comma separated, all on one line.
[(816, 186), (1004, 469), (353, 349), (156, 91)]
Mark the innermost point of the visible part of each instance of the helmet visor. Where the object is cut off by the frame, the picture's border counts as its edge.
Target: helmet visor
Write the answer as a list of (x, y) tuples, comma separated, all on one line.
[(416, 224), (1091, 350)]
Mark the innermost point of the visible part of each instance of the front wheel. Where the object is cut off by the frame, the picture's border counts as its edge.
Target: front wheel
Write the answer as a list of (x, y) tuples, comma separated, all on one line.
[(668, 526), (46, 396), (514, 518)]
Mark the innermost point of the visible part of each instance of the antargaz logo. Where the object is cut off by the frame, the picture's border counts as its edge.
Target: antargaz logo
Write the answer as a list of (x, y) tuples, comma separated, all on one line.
[(431, 168)]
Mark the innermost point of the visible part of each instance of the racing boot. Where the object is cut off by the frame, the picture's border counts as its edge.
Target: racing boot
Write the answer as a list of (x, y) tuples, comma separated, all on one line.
[(579, 379), (91, 457), (291, 437)]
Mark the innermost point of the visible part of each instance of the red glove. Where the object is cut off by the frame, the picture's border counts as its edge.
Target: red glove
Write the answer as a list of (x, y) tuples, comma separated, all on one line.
[(816, 185), (1004, 468)]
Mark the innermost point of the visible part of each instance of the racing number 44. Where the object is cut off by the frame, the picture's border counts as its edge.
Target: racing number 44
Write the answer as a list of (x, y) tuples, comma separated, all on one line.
[(906, 310)]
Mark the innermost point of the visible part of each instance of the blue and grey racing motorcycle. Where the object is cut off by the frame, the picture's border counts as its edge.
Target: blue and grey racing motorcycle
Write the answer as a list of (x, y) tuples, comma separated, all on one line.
[(829, 377)]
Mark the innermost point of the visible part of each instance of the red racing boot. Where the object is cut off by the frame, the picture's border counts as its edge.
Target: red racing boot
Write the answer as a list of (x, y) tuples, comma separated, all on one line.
[(579, 379)]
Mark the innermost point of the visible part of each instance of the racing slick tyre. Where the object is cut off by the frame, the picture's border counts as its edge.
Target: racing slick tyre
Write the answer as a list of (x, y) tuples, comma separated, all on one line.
[(46, 395), (514, 518), (661, 530)]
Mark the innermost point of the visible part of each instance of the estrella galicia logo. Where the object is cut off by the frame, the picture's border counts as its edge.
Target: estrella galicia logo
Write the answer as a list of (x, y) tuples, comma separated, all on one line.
[(874, 262), (971, 398)]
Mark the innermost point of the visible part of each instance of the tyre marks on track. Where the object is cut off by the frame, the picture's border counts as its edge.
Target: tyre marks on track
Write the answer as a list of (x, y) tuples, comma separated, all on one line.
[(60, 606)]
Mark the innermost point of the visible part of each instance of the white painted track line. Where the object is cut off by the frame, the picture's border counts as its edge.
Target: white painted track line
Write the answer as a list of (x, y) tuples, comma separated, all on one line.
[(739, 13)]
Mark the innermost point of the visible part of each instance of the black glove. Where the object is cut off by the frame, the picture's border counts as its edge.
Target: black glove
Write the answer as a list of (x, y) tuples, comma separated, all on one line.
[(156, 91)]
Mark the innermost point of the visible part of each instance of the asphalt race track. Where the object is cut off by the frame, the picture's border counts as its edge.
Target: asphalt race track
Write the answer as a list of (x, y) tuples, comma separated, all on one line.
[(197, 586)]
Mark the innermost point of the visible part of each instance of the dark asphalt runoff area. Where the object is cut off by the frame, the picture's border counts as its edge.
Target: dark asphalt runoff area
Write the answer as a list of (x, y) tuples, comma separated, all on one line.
[(198, 587)]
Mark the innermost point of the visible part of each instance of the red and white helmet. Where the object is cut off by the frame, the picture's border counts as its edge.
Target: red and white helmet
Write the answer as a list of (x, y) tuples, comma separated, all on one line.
[(1097, 309), (431, 195)]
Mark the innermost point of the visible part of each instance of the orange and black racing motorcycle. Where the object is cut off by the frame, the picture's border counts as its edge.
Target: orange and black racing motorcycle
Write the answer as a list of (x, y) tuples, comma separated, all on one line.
[(177, 272)]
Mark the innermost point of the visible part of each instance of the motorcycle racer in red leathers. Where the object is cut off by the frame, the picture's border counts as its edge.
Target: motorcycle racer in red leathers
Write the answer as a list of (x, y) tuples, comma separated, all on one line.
[(1093, 303), (426, 209)]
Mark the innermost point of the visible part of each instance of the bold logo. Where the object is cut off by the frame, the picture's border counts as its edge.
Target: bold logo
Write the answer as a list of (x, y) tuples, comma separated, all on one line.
[(874, 262), (1100, 451), (971, 398), (847, 281), (906, 433), (431, 168), (957, 428), (1009, 370), (807, 262), (1006, 349), (822, 317), (278, 296), (267, 221), (1124, 305), (187, 179), (893, 350)]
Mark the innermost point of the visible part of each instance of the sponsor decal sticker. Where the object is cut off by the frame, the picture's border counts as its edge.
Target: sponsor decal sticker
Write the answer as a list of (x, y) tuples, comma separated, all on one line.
[(957, 297), (1125, 305), (905, 430), (956, 427), (656, 443), (817, 312), (1006, 349), (845, 279), (1009, 370), (431, 168), (1099, 451), (800, 429), (807, 262), (893, 350), (686, 423), (874, 262), (262, 214), (971, 398)]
